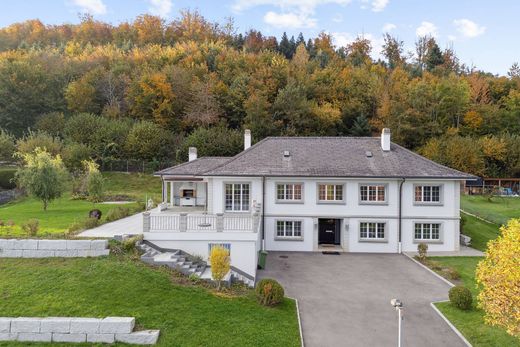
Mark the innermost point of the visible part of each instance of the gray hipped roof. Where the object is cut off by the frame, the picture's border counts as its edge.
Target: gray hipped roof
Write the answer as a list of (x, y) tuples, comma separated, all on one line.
[(195, 167), (321, 157)]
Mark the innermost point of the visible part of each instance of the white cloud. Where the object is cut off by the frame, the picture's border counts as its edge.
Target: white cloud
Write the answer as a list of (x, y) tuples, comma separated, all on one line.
[(388, 27), (160, 7), (342, 39), (289, 20), (379, 5), (468, 28), (91, 6), (452, 37), (337, 18), (426, 29), (292, 13)]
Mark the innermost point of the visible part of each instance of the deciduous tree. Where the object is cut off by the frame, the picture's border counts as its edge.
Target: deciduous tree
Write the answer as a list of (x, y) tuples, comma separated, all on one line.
[(498, 276)]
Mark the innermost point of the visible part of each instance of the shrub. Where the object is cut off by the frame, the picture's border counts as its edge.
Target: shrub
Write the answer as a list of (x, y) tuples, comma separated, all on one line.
[(453, 274), (117, 213), (7, 146), (422, 248), (90, 223), (220, 263), (39, 139), (76, 226), (460, 297), (130, 243), (269, 292), (31, 227), (7, 178), (52, 123)]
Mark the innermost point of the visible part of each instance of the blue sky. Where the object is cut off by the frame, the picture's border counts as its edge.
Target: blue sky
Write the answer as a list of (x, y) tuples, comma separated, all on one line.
[(485, 34)]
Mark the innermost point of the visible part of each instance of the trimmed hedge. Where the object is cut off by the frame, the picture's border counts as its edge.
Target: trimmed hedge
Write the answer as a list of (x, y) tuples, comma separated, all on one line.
[(7, 178), (269, 292)]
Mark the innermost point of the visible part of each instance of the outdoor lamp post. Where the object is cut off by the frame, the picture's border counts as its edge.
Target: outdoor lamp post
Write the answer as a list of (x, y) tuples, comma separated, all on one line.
[(398, 307)]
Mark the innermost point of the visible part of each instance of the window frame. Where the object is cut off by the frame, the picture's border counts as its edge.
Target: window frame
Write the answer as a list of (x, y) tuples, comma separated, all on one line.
[(428, 203), (289, 201), (373, 239), (288, 238), (430, 240), (343, 194), (375, 184), (241, 201)]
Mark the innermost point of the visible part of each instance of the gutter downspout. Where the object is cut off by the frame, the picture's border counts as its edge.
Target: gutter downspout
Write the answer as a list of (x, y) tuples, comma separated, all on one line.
[(263, 213), (400, 221)]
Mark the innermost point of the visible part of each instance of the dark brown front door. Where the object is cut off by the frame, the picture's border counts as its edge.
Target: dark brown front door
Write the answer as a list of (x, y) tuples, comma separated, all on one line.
[(328, 231)]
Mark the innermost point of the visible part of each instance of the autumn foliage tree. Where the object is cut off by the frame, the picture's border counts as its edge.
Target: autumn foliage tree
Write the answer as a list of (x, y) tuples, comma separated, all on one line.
[(498, 276), (220, 263)]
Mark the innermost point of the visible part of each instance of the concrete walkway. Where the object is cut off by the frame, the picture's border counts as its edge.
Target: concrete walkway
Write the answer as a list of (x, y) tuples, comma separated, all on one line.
[(345, 299), (130, 225), (463, 252)]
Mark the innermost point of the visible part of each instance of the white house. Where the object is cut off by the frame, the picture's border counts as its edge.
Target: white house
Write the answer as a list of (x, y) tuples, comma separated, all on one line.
[(350, 194)]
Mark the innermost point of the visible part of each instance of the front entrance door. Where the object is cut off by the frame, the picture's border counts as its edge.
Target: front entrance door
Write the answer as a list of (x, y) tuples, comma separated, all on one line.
[(328, 231)]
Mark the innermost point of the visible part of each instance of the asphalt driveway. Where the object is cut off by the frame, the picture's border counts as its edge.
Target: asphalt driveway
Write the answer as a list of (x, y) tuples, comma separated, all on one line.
[(345, 299)]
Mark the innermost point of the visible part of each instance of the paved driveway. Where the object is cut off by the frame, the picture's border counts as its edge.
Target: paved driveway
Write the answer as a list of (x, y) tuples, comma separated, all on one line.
[(345, 299)]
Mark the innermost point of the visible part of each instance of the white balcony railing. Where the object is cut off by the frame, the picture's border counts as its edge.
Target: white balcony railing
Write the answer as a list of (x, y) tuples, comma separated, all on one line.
[(184, 222)]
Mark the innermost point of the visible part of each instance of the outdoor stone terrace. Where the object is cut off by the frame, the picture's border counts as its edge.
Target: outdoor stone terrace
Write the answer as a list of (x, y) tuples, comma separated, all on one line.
[(199, 221)]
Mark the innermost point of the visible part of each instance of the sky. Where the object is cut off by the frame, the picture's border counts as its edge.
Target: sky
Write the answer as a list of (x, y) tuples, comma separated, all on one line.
[(484, 34)]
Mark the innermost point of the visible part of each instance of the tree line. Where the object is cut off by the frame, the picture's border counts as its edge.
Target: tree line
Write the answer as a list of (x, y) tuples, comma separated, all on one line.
[(148, 89)]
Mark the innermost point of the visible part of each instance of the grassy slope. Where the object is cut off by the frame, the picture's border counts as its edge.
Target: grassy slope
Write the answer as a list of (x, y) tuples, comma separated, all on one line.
[(471, 323), (498, 210), (62, 212), (186, 316), (479, 231)]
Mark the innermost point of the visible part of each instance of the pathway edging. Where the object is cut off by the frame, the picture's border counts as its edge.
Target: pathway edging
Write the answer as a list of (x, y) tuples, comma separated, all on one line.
[(432, 304)]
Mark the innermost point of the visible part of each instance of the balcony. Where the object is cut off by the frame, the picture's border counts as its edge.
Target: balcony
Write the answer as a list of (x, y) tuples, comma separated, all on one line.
[(196, 222)]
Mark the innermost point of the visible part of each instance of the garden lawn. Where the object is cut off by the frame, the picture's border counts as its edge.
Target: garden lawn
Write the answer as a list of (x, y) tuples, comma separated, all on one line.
[(63, 212), (499, 210), (479, 231), (112, 286), (471, 323)]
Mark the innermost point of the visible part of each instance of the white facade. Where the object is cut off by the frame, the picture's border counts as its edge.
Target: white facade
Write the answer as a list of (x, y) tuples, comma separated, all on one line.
[(351, 212)]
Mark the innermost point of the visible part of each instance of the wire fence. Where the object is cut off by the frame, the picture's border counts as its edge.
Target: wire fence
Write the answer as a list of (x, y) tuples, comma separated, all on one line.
[(133, 165)]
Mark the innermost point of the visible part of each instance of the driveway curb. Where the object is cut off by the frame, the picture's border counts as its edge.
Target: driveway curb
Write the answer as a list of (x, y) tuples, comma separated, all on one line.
[(432, 304), (430, 270), (299, 320)]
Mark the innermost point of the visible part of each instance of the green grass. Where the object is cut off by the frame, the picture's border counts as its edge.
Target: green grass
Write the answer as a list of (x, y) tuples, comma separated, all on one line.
[(479, 231), (471, 323), (499, 210), (111, 286), (63, 212)]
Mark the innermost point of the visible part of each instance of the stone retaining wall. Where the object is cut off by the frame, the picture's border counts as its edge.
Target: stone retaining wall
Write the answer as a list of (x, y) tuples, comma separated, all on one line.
[(66, 329), (32, 248)]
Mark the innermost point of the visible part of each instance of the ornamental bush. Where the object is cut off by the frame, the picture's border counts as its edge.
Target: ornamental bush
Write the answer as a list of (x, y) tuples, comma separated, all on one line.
[(31, 227), (269, 292), (460, 297), (422, 249)]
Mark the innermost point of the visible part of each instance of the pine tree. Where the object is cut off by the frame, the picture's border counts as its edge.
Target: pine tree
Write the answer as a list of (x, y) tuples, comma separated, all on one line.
[(360, 127), (433, 55), (300, 40), (292, 47), (285, 46)]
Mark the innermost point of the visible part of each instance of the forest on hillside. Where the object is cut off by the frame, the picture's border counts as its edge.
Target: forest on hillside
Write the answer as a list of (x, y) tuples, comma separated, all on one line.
[(148, 89)]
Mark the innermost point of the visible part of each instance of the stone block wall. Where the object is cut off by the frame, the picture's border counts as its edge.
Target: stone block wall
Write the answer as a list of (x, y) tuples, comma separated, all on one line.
[(32, 248), (66, 329)]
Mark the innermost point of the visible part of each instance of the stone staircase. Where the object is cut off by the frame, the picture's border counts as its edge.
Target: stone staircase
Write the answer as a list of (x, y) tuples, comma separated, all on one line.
[(182, 261), (175, 259)]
